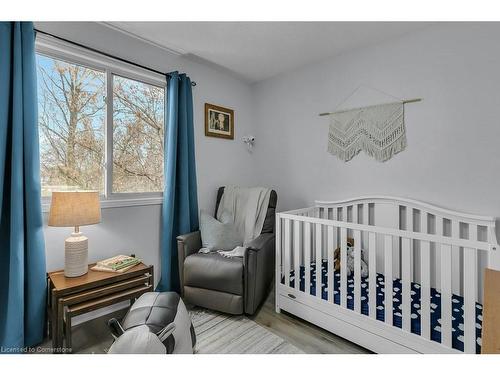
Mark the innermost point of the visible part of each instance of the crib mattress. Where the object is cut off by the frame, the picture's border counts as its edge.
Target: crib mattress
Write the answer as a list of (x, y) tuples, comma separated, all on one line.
[(435, 304)]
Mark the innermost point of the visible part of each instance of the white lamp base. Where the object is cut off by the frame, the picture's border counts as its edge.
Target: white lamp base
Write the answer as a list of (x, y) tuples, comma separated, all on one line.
[(76, 255)]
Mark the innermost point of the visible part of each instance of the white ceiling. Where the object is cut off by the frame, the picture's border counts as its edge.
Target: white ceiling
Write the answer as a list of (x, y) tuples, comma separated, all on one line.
[(258, 50)]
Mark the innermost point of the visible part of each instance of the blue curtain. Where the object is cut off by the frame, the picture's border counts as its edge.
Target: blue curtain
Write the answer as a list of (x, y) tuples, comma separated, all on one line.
[(22, 251), (180, 202)]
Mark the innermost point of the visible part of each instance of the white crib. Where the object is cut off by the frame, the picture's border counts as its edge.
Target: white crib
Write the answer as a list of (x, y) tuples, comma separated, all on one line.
[(433, 260)]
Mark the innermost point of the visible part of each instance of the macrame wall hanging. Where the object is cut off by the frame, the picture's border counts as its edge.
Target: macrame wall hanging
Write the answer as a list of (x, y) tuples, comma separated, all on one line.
[(378, 130)]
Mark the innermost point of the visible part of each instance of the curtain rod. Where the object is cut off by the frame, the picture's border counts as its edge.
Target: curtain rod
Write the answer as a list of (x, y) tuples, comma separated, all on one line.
[(406, 101), (193, 83)]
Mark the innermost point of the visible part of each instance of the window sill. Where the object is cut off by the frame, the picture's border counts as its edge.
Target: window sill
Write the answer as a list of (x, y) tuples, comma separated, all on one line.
[(115, 203)]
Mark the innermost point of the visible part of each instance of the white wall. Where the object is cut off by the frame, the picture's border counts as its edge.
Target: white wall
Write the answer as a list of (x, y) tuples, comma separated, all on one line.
[(453, 150), (219, 161), (450, 160)]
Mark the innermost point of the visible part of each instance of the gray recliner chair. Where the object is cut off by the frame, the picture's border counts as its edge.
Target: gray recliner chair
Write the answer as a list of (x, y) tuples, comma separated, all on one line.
[(230, 285)]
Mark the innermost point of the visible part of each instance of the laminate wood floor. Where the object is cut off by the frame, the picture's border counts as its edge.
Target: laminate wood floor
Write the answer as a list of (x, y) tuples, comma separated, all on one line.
[(93, 336), (304, 335)]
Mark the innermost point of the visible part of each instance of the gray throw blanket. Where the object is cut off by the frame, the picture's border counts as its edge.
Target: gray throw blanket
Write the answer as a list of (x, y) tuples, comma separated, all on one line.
[(247, 207)]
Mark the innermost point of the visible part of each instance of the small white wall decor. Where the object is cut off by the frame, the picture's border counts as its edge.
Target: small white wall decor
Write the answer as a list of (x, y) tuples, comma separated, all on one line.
[(249, 140)]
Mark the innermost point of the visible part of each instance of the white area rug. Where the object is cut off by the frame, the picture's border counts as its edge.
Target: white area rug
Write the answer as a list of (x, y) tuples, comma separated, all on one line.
[(218, 333)]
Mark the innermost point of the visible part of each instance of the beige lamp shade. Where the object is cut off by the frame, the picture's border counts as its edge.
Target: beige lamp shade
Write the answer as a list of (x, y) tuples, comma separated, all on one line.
[(74, 208)]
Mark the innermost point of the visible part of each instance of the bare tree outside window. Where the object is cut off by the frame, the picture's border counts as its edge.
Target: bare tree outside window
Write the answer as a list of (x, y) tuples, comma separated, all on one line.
[(72, 118), (138, 111), (71, 109)]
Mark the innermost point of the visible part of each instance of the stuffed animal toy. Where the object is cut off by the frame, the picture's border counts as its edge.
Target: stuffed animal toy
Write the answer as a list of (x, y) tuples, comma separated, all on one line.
[(336, 254), (350, 259)]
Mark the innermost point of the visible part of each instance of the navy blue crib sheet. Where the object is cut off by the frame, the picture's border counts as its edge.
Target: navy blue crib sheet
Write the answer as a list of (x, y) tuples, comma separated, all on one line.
[(435, 304)]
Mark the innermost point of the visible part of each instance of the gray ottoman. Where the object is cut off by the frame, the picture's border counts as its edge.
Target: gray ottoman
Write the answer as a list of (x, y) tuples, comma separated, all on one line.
[(155, 323)]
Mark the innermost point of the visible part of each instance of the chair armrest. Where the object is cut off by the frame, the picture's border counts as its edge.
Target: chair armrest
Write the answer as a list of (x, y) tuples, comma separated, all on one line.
[(259, 270), (190, 243), (187, 244), (261, 242)]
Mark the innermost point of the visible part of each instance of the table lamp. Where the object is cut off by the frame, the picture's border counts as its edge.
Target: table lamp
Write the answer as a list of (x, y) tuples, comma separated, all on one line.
[(75, 209)]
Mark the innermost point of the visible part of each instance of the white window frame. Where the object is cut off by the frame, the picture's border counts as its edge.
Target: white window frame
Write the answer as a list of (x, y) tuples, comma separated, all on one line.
[(57, 49)]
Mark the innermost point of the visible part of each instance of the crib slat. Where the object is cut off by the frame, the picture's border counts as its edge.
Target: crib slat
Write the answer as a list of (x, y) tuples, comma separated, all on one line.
[(409, 219), (470, 265), (286, 251), (445, 294), (334, 237), (355, 213), (406, 265), (319, 247), (388, 279), (343, 267), (470, 288), (366, 208), (296, 253), (437, 254), (372, 275), (357, 271), (349, 219), (331, 249), (455, 259), (307, 258), (279, 267), (425, 281), (409, 228), (425, 289), (316, 212)]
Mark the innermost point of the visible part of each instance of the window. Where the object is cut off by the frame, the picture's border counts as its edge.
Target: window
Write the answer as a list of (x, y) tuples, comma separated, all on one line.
[(101, 125), (137, 136), (71, 117)]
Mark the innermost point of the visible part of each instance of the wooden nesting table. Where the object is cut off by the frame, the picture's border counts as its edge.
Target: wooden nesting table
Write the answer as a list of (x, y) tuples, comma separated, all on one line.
[(71, 296)]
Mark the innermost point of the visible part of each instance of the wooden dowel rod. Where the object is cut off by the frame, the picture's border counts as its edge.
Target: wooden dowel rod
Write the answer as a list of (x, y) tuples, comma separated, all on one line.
[(406, 101), (412, 100)]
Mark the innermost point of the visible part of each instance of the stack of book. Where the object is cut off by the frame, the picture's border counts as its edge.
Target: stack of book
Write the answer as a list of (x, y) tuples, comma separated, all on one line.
[(119, 263)]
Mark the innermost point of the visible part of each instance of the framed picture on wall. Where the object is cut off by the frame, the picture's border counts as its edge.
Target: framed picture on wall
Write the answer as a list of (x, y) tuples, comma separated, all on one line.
[(219, 121)]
